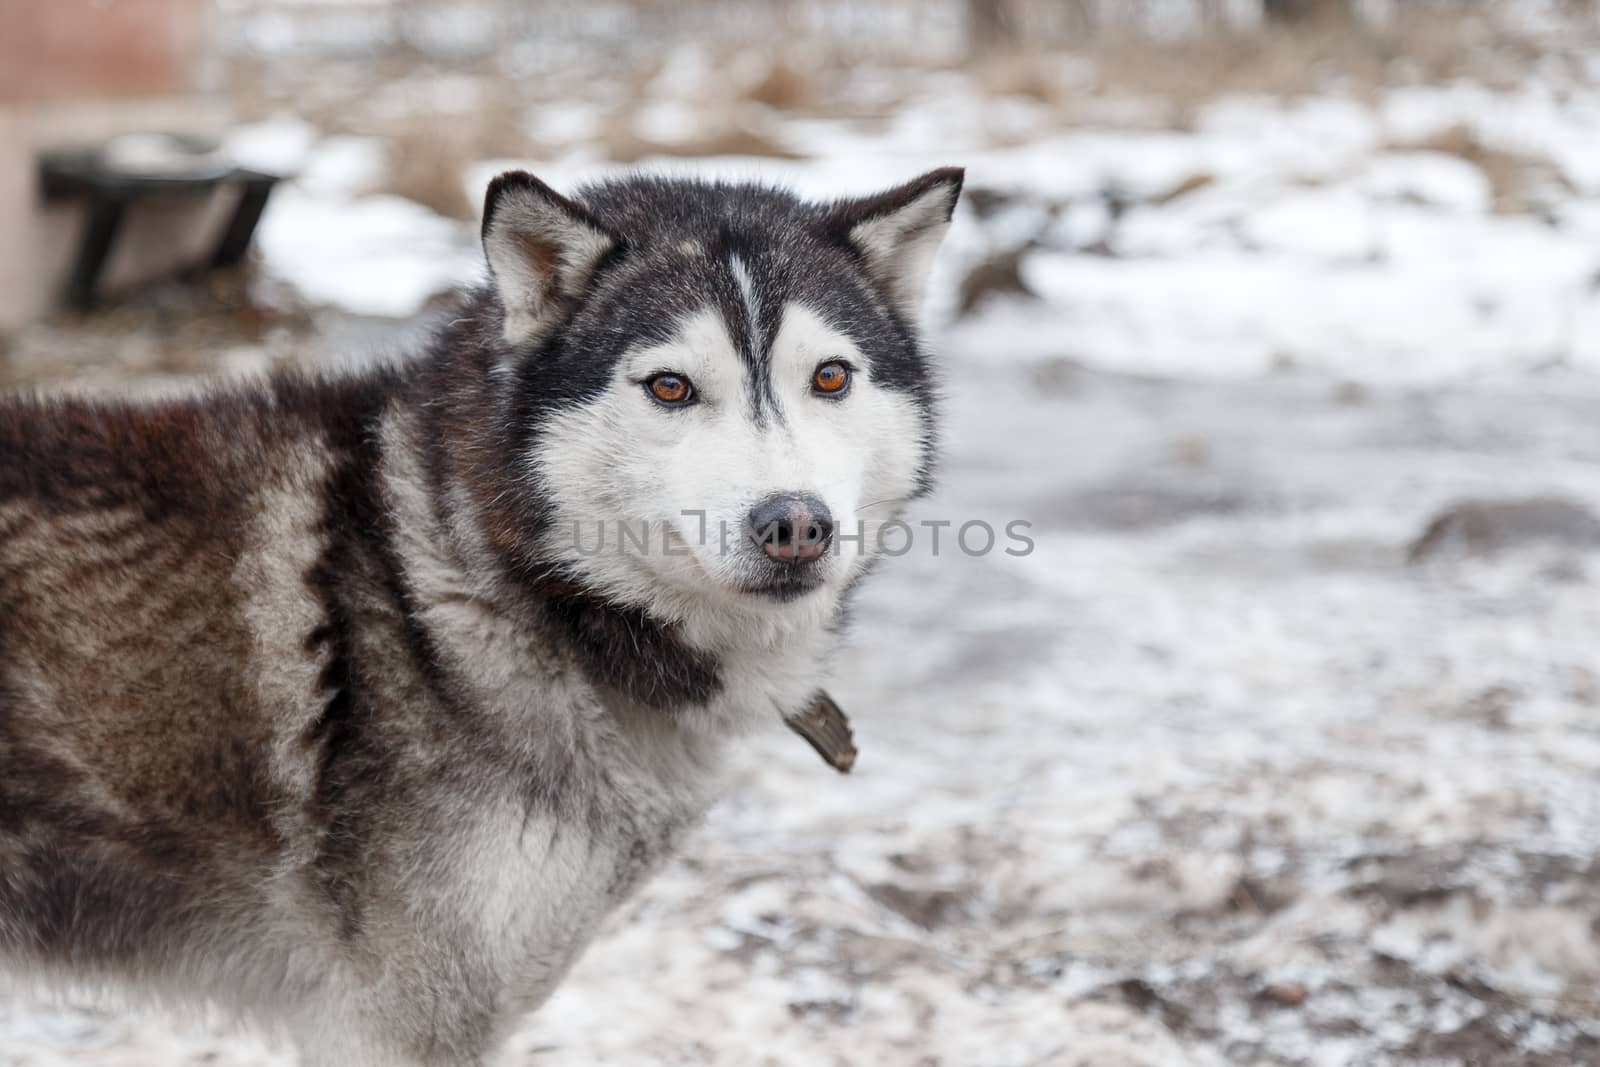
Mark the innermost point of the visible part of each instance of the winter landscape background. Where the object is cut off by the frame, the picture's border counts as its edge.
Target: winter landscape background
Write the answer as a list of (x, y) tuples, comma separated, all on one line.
[(1282, 748)]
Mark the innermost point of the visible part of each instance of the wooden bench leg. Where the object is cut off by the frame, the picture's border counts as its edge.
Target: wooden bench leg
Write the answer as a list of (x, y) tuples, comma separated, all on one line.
[(105, 218), (236, 238)]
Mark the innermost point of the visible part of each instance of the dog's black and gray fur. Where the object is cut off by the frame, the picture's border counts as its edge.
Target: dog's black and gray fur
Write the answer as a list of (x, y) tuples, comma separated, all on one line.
[(308, 705)]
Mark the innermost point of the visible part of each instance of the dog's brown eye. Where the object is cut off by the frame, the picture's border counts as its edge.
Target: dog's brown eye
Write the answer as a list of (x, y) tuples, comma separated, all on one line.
[(670, 389), (830, 379)]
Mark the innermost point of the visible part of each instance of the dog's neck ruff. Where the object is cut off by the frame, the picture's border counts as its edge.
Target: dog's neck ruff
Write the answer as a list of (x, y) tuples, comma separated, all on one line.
[(757, 658), (630, 651)]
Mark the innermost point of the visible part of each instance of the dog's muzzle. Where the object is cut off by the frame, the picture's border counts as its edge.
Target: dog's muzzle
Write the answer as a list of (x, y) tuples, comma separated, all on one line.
[(791, 527)]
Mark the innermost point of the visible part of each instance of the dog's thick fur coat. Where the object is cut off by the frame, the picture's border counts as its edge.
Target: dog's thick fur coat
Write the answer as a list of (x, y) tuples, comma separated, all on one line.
[(306, 703)]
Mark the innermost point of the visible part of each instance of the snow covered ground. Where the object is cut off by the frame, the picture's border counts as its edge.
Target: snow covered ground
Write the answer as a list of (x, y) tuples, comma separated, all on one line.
[(1219, 773)]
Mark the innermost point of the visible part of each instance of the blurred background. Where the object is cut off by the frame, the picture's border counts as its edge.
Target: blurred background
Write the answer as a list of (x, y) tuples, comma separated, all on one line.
[(1278, 319)]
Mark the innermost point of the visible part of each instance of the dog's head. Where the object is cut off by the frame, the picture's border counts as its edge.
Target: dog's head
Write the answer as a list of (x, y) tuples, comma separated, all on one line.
[(721, 385)]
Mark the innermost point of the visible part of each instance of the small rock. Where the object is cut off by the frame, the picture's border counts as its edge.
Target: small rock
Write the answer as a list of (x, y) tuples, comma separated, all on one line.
[(1288, 994), (928, 908), (1260, 897), (1486, 527), (1491, 707), (1141, 996), (1351, 394), (834, 1011)]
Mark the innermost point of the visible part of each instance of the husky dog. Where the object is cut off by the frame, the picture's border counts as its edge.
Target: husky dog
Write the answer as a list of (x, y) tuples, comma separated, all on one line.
[(357, 704)]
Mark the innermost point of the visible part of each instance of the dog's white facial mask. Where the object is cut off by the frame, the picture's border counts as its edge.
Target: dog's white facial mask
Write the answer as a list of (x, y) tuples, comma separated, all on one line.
[(652, 499)]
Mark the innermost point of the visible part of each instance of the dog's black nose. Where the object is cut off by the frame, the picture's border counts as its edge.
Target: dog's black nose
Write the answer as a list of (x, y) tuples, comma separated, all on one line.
[(791, 528)]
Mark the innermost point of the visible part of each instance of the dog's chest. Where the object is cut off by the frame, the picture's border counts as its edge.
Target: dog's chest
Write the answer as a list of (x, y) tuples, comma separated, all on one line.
[(536, 886)]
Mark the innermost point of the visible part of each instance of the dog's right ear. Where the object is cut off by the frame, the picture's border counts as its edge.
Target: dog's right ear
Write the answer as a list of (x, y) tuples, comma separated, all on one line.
[(898, 231), (541, 249)]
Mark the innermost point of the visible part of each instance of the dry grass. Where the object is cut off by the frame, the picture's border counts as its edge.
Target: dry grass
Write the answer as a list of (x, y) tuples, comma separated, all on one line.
[(1078, 71), (1194, 71), (1192, 183), (1021, 73), (1342, 56), (427, 150), (429, 156), (719, 138), (785, 87), (1514, 179), (1175, 78)]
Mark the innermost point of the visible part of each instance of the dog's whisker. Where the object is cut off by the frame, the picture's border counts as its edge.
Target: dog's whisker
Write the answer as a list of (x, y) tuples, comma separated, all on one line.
[(886, 500)]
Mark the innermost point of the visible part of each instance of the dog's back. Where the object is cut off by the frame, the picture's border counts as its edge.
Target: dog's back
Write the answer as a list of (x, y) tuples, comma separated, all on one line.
[(149, 609)]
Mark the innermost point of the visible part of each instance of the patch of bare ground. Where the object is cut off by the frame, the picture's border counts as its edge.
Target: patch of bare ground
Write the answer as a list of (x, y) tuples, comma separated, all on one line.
[(225, 322)]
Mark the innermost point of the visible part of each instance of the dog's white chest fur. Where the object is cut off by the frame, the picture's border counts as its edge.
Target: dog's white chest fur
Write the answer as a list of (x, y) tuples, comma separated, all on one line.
[(537, 886)]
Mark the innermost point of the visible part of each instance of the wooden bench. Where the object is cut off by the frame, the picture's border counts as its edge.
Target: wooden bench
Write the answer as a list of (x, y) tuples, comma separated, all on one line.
[(109, 187)]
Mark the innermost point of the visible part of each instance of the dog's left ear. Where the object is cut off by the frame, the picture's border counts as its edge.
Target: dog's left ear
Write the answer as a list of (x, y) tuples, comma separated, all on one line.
[(897, 232), (541, 249)]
